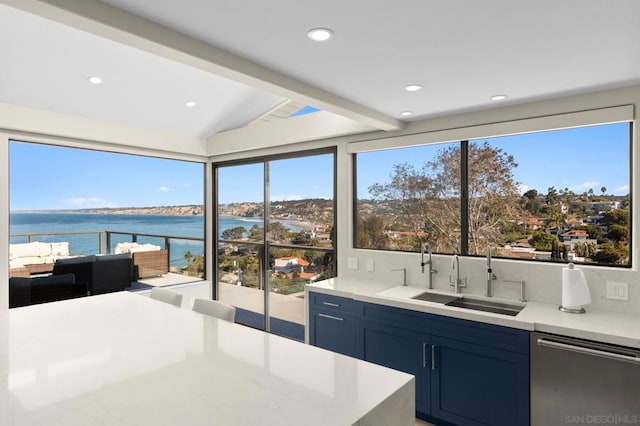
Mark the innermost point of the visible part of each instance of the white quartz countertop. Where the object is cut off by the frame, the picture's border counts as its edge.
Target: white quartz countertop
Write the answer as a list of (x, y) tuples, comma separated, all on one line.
[(609, 327), (125, 359)]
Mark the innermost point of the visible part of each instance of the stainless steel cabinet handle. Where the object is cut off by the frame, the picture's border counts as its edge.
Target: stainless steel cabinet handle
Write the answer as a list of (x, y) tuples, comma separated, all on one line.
[(589, 351), (433, 357), (335, 305), (331, 317), (424, 355)]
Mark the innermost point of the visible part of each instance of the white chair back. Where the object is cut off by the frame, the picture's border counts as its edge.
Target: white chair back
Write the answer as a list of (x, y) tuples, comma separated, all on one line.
[(167, 296), (215, 309)]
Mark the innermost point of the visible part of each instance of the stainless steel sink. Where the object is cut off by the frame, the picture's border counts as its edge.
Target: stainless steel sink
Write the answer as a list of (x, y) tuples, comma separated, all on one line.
[(486, 306), (435, 297)]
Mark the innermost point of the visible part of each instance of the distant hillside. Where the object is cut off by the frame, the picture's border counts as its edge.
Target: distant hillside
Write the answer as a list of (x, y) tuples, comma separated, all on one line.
[(190, 210), (319, 211)]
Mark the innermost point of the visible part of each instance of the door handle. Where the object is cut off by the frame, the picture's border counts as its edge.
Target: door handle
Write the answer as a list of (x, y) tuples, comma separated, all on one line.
[(588, 351), (331, 317), (433, 357), (335, 305), (424, 355)]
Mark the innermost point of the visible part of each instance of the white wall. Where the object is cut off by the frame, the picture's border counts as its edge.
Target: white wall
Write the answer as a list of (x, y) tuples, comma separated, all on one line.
[(4, 219), (24, 123)]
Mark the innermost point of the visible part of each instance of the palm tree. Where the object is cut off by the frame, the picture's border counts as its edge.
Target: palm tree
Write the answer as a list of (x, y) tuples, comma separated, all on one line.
[(603, 189), (188, 255)]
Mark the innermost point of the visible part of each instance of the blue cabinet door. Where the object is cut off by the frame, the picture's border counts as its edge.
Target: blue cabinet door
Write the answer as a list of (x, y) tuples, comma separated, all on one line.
[(401, 350), (333, 331), (478, 385)]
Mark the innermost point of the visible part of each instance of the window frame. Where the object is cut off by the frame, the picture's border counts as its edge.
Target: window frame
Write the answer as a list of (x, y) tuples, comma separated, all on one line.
[(120, 150), (265, 159), (364, 147)]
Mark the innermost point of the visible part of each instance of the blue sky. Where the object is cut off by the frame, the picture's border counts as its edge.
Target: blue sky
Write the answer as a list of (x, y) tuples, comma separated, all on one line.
[(290, 179), (44, 177), (50, 177), (578, 159)]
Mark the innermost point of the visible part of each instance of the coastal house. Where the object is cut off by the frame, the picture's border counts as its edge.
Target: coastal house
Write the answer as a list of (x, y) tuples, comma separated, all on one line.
[(377, 108), (573, 235), (603, 206), (532, 223), (288, 264)]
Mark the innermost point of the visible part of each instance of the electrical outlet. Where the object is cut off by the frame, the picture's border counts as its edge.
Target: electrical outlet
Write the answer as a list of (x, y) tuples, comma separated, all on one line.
[(352, 262), (617, 290), (370, 265)]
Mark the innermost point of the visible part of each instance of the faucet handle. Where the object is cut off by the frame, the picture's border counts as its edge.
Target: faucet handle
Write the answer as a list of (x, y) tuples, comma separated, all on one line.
[(404, 275)]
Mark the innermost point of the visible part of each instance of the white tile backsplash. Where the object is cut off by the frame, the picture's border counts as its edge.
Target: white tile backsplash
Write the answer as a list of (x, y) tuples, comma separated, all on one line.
[(543, 280)]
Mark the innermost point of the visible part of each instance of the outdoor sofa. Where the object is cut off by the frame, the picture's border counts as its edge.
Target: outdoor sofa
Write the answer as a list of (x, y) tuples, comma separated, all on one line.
[(35, 257), (25, 291), (102, 274), (148, 260)]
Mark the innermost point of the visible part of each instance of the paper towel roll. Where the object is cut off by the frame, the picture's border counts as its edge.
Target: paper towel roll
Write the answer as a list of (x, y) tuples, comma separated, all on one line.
[(575, 291)]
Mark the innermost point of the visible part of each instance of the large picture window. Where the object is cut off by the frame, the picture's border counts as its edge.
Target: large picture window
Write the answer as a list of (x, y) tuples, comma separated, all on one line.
[(112, 221), (560, 195)]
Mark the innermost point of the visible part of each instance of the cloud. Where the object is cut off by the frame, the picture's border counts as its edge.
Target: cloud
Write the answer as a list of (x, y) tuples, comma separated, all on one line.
[(622, 190), (288, 197), (87, 203), (585, 186), (523, 188), (165, 189)]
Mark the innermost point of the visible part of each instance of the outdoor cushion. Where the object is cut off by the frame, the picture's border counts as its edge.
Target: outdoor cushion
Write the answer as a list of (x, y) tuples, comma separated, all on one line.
[(143, 247), (60, 249), (24, 250), (109, 257), (74, 260), (32, 260), (53, 279), (134, 248), (44, 249)]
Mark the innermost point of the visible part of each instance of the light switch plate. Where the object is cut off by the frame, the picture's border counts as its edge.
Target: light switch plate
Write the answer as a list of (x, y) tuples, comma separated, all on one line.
[(370, 267), (617, 290), (352, 262)]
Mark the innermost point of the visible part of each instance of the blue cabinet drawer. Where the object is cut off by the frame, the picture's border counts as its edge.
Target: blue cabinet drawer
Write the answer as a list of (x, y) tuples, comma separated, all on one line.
[(334, 331), (496, 336), (330, 303)]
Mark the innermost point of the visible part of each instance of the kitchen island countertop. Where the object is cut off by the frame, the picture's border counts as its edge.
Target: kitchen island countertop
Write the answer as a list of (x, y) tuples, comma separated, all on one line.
[(122, 358)]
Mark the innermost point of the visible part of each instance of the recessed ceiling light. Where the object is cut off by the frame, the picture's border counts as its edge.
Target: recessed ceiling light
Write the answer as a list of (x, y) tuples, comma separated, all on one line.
[(320, 34), (413, 87), (95, 80), (498, 97), (190, 104), (406, 113)]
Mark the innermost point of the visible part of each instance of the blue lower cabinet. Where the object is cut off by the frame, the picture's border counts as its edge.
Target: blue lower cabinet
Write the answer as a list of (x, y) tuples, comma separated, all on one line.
[(478, 385), (401, 350), (467, 373), (334, 331)]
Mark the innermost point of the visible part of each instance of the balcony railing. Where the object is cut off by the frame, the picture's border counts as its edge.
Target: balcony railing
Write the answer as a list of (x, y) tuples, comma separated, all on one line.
[(105, 242)]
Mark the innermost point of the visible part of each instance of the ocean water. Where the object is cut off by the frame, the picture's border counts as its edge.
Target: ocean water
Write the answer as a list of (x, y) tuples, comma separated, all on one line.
[(175, 226)]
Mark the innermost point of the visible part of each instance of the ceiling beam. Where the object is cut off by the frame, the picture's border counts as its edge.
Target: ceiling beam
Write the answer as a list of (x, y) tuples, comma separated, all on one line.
[(115, 24)]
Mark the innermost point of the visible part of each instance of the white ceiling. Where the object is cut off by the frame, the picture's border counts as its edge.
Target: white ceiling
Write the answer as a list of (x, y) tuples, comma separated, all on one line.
[(46, 65), (462, 52)]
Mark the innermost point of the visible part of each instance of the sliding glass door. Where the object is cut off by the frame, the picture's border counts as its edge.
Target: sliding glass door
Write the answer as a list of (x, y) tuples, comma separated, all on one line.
[(275, 222)]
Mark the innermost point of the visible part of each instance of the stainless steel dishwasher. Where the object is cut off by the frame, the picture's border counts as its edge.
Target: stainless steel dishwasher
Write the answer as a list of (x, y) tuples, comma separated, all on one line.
[(576, 381)]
